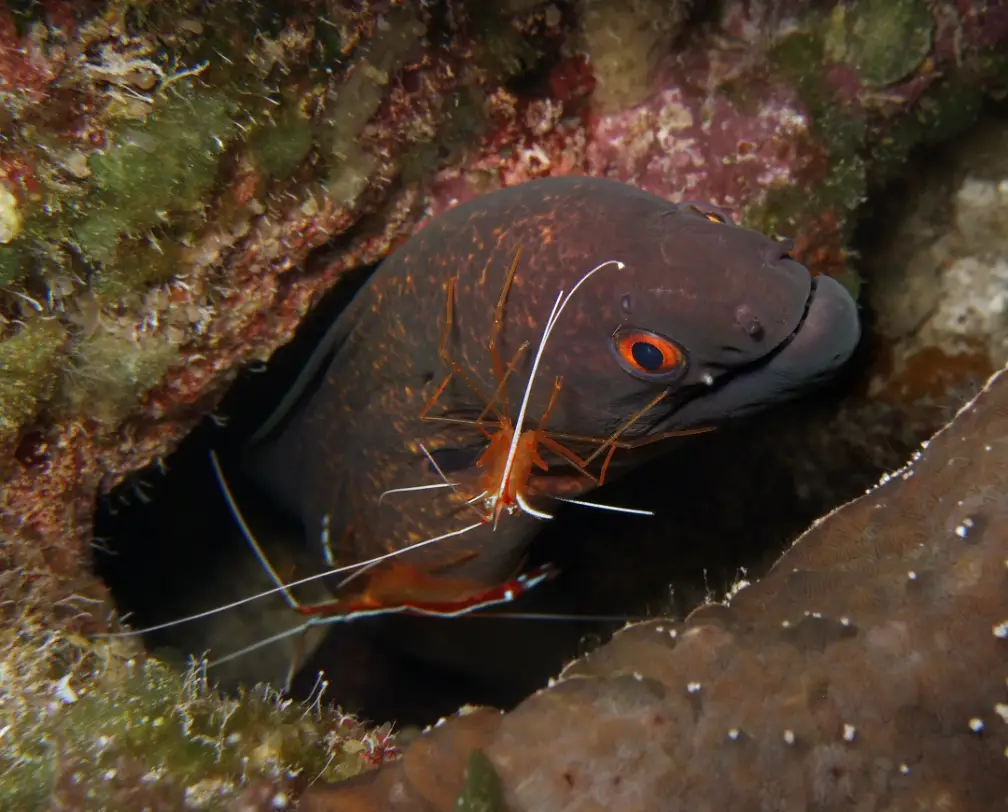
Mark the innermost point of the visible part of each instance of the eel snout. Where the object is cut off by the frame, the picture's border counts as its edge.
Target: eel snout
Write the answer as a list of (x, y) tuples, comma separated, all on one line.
[(823, 340)]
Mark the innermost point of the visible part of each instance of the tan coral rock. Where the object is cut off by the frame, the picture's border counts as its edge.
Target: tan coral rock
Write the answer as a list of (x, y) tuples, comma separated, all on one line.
[(866, 671)]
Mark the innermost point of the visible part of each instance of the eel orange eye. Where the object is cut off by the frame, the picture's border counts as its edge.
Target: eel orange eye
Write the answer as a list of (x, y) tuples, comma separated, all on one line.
[(647, 354)]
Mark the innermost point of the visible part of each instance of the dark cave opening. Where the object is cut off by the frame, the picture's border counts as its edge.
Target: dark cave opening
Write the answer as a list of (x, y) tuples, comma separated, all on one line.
[(727, 504)]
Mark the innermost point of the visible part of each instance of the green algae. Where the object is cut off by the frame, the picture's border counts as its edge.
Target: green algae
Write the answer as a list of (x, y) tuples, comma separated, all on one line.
[(280, 149), (884, 41), (111, 371), (482, 791), (29, 364), (798, 59), (14, 263), (85, 725), (162, 166), (352, 108)]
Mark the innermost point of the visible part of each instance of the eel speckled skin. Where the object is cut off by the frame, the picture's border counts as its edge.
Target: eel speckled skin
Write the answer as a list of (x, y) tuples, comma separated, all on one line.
[(753, 326)]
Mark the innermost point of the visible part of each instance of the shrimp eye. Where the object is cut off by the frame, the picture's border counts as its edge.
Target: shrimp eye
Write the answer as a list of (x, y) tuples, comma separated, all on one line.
[(648, 355)]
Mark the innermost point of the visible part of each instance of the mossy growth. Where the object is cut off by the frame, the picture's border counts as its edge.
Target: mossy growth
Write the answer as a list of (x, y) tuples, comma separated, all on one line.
[(278, 150), (110, 371), (29, 364), (499, 48), (164, 165), (842, 132), (884, 41), (482, 791), (798, 59), (13, 263), (85, 725)]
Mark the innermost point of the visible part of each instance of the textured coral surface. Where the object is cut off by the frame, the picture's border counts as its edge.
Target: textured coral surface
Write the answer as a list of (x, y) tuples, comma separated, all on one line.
[(866, 670)]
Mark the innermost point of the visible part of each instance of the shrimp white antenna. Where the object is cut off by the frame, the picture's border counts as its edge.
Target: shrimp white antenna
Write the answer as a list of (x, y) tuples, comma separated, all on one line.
[(281, 587), (613, 508), (558, 308)]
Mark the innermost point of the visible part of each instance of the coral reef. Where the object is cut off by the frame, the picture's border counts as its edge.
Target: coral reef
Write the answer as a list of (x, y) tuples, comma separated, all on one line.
[(867, 665), (87, 725), (939, 282), (180, 181)]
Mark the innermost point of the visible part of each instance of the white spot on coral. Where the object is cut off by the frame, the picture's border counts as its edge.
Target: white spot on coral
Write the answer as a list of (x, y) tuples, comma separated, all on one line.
[(280, 800), (1001, 630), (734, 733), (976, 724), (109, 774), (693, 687), (63, 692), (1001, 709), (637, 675), (845, 621), (912, 575), (963, 528), (10, 217), (789, 737), (904, 769), (849, 732)]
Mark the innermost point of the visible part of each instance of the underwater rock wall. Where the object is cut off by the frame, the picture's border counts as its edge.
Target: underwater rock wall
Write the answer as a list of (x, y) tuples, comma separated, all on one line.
[(866, 670)]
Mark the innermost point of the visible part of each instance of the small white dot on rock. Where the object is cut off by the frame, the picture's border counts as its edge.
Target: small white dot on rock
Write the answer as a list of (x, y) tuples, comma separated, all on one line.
[(659, 629), (976, 724), (280, 800), (1001, 630), (789, 737), (845, 621), (109, 774), (1001, 709), (849, 732), (912, 575), (692, 687), (785, 624), (734, 733), (637, 675), (905, 769)]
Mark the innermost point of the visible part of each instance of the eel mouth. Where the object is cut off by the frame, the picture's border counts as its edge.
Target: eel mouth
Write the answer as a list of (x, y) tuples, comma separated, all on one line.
[(822, 341)]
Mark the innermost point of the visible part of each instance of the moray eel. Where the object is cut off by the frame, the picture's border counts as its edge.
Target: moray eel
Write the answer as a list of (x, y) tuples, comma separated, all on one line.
[(717, 316)]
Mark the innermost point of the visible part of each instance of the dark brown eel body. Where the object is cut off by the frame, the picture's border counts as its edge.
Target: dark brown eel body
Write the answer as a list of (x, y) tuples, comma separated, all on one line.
[(754, 327)]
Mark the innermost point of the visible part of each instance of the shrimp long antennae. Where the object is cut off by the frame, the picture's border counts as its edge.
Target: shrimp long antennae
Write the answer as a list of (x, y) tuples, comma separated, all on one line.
[(281, 588), (558, 308)]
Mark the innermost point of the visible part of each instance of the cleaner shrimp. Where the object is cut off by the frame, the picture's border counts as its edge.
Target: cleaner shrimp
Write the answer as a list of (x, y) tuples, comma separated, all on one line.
[(394, 587)]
